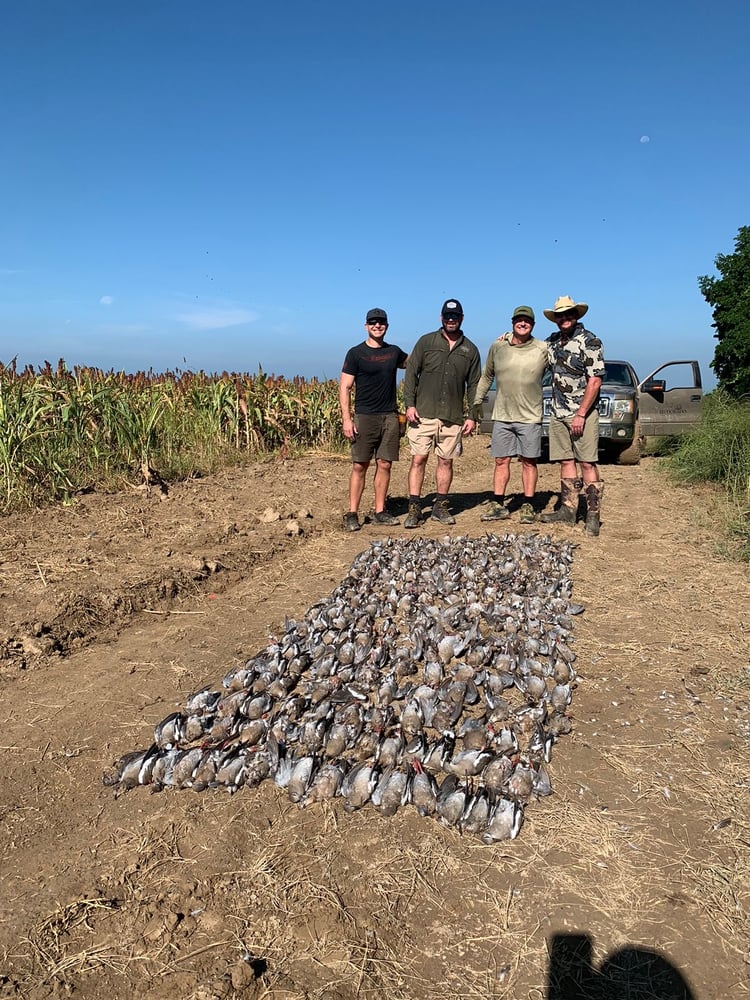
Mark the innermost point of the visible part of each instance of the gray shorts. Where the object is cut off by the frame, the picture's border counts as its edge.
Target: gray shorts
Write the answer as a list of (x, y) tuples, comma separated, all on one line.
[(377, 437), (563, 446), (510, 439)]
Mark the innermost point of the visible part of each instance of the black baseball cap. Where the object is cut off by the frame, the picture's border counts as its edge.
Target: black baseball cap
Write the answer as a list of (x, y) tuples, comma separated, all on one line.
[(452, 307), (376, 314)]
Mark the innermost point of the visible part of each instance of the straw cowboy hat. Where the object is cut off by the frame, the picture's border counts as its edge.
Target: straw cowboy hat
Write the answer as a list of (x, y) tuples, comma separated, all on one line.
[(566, 304)]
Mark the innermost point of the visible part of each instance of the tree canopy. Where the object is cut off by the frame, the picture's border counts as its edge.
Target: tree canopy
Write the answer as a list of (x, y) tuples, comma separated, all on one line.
[(729, 296)]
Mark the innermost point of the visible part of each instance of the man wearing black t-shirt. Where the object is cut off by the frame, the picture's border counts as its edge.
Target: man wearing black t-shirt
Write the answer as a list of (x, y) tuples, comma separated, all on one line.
[(370, 370)]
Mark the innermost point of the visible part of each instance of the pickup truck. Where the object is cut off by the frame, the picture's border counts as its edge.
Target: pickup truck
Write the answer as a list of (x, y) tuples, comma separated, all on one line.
[(630, 409)]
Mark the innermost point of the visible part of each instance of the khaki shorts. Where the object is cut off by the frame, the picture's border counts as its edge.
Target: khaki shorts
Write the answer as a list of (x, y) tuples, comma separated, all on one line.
[(563, 446), (434, 433)]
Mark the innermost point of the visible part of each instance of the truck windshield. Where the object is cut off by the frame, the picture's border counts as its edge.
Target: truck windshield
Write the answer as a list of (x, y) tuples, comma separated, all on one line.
[(617, 373)]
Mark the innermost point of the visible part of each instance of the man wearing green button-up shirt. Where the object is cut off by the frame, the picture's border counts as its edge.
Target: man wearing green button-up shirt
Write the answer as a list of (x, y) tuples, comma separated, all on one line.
[(442, 372)]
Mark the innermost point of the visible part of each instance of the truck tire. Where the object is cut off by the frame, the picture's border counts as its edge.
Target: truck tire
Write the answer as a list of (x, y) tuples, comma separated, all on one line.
[(632, 454)]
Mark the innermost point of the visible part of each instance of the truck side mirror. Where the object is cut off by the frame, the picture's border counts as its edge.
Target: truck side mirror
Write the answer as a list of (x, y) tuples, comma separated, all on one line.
[(654, 385)]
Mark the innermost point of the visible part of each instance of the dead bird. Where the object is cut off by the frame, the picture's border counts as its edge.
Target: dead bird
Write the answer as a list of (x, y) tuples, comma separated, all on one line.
[(366, 745), (476, 813), (252, 731), (390, 792), (185, 765), (169, 732), (473, 734), (231, 769), (204, 775), (326, 782), (336, 740), (390, 749), (132, 769), (451, 801), (504, 740), (301, 777), (504, 821), (560, 697), (412, 718), (162, 774), (520, 784), (439, 753), (359, 784), (415, 749), (496, 773), (468, 763), (422, 789), (542, 783), (202, 702)]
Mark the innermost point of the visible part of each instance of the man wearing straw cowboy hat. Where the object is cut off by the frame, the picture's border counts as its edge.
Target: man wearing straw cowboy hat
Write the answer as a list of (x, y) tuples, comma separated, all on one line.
[(577, 363)]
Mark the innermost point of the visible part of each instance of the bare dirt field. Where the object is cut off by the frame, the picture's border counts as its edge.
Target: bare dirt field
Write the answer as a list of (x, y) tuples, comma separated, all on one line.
[(631, 880)]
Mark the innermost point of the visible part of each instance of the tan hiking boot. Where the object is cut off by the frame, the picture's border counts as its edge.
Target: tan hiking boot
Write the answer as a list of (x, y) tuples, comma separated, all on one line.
[(441, 512), (495, 512), (414, 516), (527, 515)]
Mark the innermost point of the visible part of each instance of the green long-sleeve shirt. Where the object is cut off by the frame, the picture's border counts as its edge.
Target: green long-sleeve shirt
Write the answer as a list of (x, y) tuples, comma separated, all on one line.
[(439, 378), (517, 370)]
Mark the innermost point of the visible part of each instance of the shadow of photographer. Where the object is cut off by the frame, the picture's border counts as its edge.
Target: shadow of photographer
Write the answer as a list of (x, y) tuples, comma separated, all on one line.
[(630, 973)]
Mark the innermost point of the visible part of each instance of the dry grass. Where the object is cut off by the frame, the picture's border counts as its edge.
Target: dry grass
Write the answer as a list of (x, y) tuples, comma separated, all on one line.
[(53, 957)]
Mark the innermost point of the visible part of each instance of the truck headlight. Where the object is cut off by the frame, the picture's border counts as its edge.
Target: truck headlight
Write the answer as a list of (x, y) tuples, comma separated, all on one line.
[(623, 406)]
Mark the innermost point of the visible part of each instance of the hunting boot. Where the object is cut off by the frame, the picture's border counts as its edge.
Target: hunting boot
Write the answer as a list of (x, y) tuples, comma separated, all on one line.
[(594, 494), (568, 509)]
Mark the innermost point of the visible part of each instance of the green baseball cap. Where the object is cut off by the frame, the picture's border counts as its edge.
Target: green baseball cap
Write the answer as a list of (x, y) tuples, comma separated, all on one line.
[(526, 311)]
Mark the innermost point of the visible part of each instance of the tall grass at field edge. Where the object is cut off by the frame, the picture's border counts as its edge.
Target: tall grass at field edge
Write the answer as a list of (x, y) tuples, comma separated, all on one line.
[(719, 452)]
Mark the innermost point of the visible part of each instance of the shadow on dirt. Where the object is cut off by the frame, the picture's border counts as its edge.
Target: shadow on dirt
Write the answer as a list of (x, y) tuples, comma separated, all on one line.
[(630, 973), (459, 503)]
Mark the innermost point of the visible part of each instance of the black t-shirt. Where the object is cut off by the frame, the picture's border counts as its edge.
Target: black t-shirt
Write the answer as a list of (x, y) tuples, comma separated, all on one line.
[(374, 370)]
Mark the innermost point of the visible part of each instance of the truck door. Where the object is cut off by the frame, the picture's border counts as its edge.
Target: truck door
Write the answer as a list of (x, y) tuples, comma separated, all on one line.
[(671, 398)]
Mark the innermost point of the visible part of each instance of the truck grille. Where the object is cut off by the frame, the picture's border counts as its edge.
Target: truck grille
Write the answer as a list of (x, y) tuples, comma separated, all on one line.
[(605, 406)]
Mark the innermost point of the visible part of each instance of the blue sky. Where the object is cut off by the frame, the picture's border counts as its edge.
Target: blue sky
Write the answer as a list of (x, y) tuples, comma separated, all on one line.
[(229, 185)]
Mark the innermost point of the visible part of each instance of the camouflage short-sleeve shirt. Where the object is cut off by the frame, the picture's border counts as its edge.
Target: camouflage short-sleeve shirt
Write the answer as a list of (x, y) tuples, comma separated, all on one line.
[(573, 363)]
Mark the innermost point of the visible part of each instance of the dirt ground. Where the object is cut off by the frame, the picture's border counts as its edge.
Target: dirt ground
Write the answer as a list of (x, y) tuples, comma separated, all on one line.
[(631, 880)]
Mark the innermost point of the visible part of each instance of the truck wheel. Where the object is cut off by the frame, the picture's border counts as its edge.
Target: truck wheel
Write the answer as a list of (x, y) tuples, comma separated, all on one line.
[(632, 454)]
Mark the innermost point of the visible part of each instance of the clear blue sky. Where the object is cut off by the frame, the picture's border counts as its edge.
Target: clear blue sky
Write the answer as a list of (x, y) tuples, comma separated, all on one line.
[(228, 184)]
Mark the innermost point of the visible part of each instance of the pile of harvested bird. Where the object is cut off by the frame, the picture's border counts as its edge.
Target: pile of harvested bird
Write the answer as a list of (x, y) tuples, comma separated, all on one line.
[(438, 674)]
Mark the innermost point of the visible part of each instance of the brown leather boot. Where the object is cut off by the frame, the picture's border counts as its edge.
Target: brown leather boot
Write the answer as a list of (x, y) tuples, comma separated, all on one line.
[(566, 512), (594, 494)]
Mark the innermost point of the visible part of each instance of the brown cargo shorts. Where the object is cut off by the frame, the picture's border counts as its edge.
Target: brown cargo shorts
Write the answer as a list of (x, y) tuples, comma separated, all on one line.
[(377, 437)]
